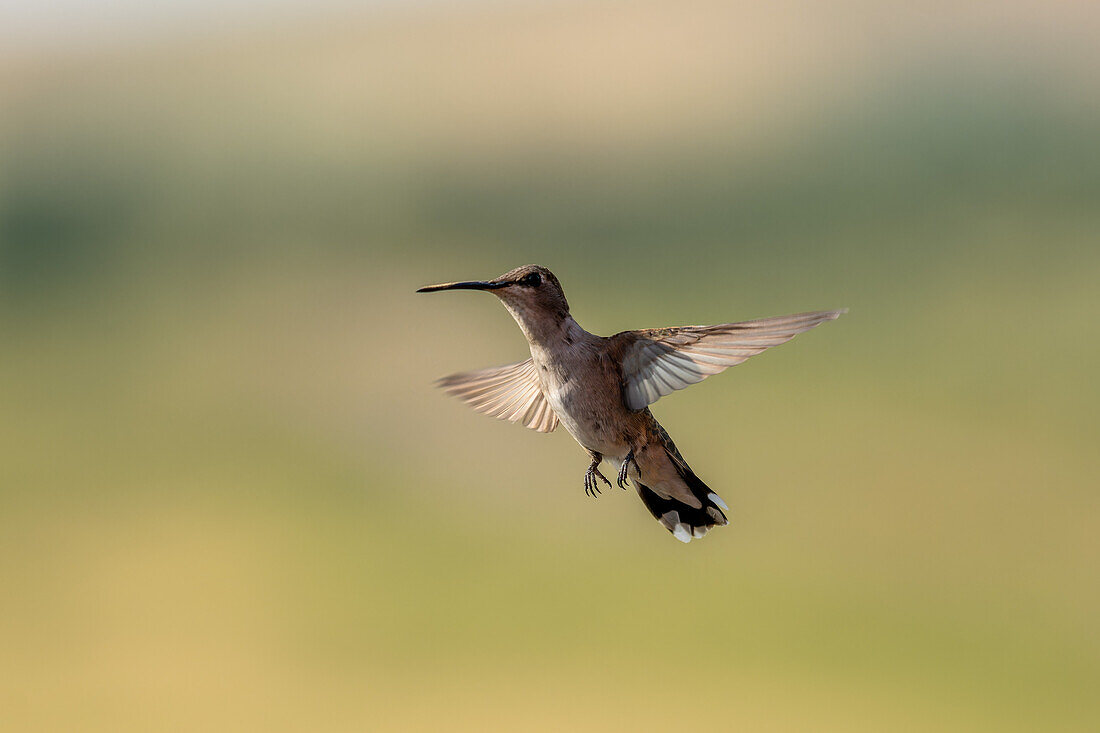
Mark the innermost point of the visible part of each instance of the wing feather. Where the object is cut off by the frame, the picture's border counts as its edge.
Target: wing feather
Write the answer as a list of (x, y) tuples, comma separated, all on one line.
[(660, 361), (511, 393)]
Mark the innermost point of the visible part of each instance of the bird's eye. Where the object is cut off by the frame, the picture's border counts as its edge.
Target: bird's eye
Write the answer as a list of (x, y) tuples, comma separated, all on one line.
[(533, 280)]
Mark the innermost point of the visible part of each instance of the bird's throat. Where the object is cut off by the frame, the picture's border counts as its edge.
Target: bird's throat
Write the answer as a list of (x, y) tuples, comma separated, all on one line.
[(546, 330)]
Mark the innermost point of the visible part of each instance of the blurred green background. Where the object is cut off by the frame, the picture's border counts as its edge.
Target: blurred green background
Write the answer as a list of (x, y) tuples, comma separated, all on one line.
[(230, 498)]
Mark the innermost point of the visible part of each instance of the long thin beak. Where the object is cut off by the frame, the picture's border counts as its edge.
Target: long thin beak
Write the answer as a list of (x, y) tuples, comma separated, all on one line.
[(469, 285)]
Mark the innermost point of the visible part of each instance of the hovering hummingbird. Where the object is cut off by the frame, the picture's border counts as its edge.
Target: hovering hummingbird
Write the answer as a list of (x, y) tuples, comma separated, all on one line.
[(600, 389)]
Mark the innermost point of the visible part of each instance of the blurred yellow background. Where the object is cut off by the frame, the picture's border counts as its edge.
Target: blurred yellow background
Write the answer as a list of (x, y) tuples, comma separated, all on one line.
[(230, 498)]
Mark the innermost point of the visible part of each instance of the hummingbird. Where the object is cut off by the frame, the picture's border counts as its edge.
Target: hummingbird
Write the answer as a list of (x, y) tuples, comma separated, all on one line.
[(600, 389)]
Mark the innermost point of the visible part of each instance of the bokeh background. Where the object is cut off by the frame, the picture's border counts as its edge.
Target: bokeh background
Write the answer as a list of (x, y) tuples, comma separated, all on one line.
[(230, 498)]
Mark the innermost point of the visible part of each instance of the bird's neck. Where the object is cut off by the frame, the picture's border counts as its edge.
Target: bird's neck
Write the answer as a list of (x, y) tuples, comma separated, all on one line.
[(548, 331)]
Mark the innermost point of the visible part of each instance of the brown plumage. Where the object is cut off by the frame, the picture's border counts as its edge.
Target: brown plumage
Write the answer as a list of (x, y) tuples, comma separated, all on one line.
[(600, 388)]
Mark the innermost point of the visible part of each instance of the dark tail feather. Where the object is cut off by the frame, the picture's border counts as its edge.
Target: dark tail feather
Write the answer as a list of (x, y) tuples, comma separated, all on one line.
[(683, 520)]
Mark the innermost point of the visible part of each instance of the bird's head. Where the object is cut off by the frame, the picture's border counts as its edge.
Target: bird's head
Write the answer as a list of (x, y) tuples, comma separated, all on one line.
[(530, 293)]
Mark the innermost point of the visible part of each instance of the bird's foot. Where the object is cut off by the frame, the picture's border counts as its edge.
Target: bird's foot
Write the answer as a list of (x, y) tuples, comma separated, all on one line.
[(591, 487), (626, 467)]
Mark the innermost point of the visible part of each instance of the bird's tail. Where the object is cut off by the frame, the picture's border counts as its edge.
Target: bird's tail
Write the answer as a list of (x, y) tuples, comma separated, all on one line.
[(681, 519)]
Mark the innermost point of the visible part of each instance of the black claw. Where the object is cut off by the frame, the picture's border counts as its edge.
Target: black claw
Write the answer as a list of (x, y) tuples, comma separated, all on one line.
[(590, 486), (626, 467)]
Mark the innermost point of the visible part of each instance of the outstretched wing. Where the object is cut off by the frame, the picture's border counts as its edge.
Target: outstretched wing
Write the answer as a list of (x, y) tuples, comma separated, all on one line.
[(658, 361), (511, 393)]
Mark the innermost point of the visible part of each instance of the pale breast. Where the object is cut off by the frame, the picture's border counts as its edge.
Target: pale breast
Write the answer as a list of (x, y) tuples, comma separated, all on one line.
[(583, 389)]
